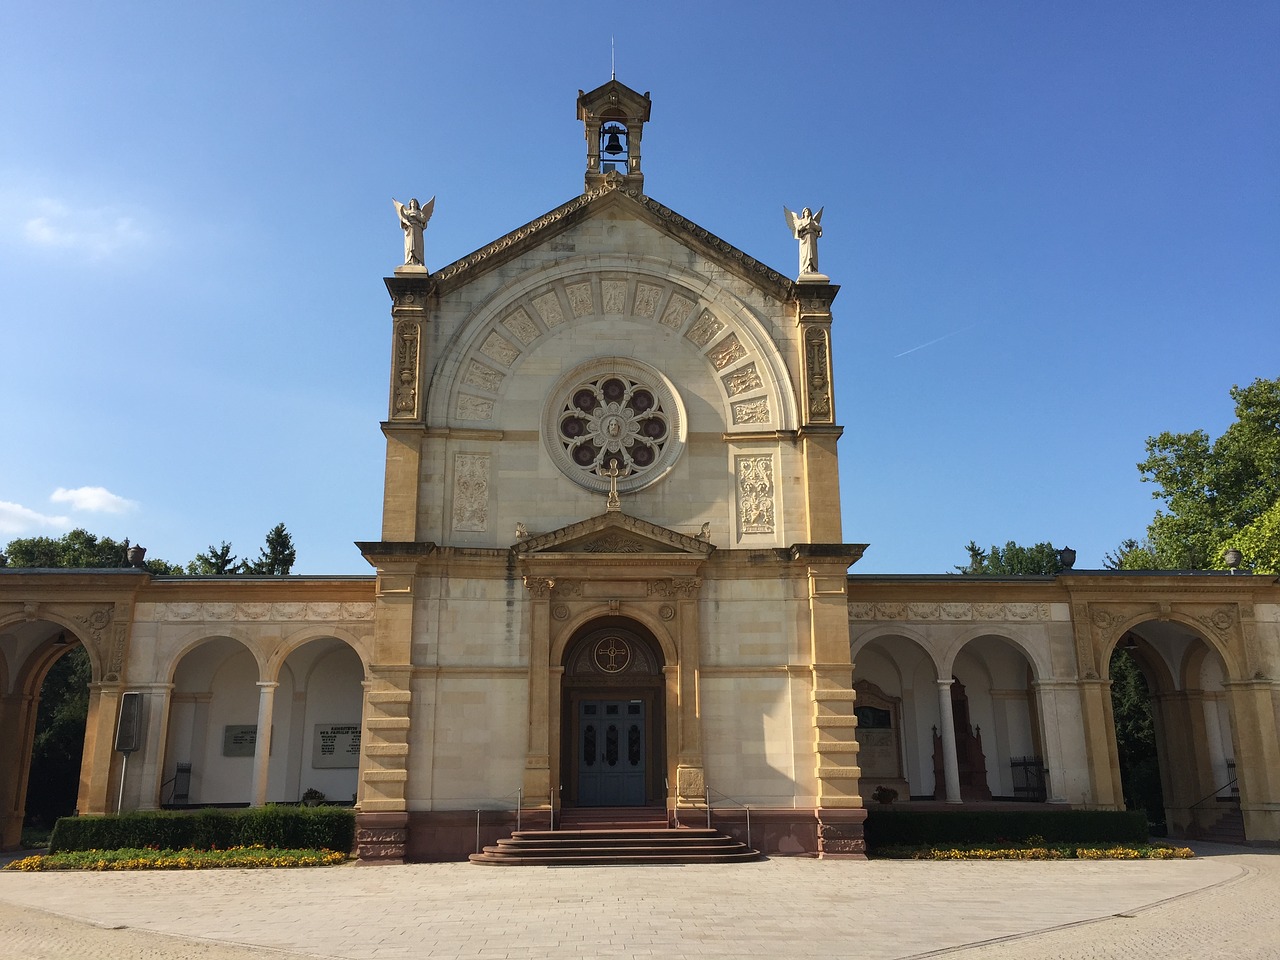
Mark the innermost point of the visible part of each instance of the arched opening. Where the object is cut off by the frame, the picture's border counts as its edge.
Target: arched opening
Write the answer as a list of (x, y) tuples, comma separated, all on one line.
[(1174, 731), (44, 703), (213, 726), (895, 679), (613, 720), (1000, 719), (317, 724)]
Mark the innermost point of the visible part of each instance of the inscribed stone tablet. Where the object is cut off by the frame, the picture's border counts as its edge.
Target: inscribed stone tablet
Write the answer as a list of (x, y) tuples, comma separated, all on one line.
[(238, 740), (335, 745)]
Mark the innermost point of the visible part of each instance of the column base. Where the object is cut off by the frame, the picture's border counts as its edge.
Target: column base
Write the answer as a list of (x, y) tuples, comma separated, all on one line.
[(840, 835), (382, 837)]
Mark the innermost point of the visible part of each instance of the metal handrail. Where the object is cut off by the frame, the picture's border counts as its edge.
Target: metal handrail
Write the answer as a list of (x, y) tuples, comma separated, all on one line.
[(725, 796), (1214, 793)]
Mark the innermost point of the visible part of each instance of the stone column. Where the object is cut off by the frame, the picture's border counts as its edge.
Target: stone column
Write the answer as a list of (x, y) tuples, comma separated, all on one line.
[(690, 775), (17, 717), (95, 794), (262, 744), (1257, 749), (1100, 743), (947, 721), (537, 765), (147, 767)]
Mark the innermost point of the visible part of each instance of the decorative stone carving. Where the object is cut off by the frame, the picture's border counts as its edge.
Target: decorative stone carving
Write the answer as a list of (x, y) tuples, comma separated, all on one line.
[(727, 351), (818, 375), (253, 611), (949, 611), (406, 370), (687, 588), (614, 543), (521, 326), (755, 493), (704, 329), (539, 587), (743, 380), (581, 301), (568, 588), (413, 220), (474, 408), (677, 312), (614, 294), (691, 782), (647, 296), (470, 492), (750, 411), (667, 611), (548, 307), (486, 378), (497, 348), (660, 588), (560, 611), (807, 228)]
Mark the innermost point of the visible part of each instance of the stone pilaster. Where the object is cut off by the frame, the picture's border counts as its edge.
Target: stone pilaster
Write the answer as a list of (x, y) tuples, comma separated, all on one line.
[(537, 764), (691, 783), (818, 433)]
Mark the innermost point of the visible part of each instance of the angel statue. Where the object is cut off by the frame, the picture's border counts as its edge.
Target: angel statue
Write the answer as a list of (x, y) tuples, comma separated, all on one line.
[(413, 219), (807, 228)]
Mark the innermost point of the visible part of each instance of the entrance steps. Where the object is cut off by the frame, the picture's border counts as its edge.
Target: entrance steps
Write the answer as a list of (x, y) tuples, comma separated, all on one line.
[(615, 835), (1228, 828)]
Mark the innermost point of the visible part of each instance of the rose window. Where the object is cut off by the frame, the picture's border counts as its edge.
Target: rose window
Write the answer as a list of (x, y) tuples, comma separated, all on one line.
[(620, 416)]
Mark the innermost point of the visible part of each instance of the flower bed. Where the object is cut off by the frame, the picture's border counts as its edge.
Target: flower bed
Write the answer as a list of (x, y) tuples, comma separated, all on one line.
[(1039, 852), (150, 858)]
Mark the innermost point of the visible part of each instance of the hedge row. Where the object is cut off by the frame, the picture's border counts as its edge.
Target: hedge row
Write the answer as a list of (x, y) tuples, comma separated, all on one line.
[(328, 828), (886, 828)]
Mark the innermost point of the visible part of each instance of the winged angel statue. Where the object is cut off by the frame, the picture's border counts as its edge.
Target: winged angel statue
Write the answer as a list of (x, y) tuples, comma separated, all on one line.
[(807, 228), (413, 220)]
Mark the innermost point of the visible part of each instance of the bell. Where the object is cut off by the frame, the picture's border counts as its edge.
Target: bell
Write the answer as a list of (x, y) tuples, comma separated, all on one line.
[(613, 146)]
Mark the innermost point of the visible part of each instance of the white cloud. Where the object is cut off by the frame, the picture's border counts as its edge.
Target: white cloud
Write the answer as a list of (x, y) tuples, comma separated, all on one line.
[(16, 520), (95, 233), (94, 499)]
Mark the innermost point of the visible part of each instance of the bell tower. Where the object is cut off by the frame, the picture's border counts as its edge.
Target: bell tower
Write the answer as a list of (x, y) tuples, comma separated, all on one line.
[(614, 116)]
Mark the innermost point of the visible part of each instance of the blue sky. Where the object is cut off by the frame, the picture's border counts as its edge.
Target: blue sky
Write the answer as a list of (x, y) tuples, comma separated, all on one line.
[(1056, 227)]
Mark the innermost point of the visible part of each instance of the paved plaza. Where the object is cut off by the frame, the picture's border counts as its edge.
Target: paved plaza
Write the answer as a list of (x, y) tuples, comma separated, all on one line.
[(1225, 903)]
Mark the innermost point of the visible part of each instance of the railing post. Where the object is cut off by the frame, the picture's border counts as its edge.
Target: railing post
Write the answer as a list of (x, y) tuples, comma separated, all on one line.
[(748, 825), (708, 808), (477, 831), (519, 807)]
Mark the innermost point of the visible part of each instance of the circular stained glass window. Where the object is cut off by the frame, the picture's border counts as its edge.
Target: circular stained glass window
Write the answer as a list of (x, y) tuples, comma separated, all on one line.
[(615, 415)]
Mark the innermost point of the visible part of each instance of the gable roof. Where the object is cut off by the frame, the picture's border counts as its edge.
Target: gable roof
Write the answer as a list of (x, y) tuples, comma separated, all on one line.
[(614, 532), (610, 193)]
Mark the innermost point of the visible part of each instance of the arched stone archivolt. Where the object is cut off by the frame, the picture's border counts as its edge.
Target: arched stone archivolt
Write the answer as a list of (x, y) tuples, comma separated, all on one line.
[(749, 372), (1217, 626), (1011, 636)]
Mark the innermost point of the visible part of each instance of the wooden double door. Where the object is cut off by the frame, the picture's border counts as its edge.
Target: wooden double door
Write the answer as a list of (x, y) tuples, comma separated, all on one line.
[(612, 753)]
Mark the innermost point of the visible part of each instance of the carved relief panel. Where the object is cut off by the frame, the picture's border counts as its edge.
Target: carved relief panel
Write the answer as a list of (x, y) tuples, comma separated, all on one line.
[(471, 492), (755, 493)]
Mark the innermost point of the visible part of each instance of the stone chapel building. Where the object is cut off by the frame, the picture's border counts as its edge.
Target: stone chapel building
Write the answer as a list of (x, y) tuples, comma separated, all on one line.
[(613, 572)]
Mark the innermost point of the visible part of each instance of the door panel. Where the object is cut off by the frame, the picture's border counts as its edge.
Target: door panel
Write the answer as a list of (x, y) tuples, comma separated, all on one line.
[(612, 753)]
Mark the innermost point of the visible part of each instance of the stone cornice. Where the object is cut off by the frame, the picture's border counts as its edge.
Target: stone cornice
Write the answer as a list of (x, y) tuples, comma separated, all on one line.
[(662, 538), (579, 208)]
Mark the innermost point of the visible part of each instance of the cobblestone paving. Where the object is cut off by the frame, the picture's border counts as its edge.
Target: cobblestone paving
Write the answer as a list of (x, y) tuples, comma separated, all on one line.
[(1224, 904)]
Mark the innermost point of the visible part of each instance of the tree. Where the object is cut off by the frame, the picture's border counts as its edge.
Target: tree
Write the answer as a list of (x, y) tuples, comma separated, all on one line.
[(1258, 543), (217, 562), (78, 549), (1131, 555), (54, 780), (1136, 737), (276, 558), (1012, 560), (1215, 489)]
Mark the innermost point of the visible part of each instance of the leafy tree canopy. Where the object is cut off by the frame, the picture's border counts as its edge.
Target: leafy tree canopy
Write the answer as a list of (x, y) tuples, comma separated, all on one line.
[(1131, 555), (78, 549), (1012, 560), (1259, 543), (1214, 490), (276, 558), (217, 562)]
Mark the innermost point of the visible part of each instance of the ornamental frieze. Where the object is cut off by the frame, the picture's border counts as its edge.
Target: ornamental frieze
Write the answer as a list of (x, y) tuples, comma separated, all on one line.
[(918, 611), (324, 612)]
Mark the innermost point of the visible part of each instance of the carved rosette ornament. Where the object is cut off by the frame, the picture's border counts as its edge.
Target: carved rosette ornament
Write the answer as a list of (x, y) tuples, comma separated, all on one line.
[(818, 375), (405, 391)]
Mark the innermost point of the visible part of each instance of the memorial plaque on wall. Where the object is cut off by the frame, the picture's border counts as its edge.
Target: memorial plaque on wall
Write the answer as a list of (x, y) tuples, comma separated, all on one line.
[(336, 745), (878, 753), (239, 740)]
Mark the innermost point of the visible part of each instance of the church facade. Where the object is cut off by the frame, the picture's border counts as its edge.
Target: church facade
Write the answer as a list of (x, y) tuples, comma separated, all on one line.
[(612, 572)]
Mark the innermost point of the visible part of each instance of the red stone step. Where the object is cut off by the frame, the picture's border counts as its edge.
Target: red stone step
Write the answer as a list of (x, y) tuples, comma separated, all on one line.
[(582, 847)]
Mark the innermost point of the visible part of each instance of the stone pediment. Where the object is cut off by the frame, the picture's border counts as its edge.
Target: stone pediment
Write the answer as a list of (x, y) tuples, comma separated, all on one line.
[(612, 194), (614, 533)]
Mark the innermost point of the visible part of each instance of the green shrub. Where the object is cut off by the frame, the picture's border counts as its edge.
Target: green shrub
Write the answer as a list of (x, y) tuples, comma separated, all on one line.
[(901, 828), (330, 828)]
